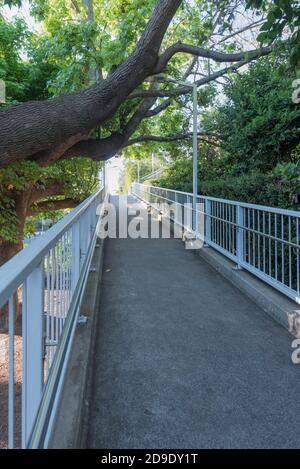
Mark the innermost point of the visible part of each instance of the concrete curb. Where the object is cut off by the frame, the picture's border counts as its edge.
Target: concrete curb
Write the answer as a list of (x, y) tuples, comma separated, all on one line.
[(70, 427)]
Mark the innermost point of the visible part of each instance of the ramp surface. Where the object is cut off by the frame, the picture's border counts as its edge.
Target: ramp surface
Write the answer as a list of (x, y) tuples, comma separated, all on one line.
[(183, 359)]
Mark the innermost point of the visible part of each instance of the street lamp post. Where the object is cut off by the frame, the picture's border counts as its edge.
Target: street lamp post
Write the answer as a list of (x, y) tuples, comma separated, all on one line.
[(195, 157), (193, 87), (104, 175)]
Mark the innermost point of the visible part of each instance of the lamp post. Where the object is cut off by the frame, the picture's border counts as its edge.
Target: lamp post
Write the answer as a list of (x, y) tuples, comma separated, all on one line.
[(104, 175), (193, 87)]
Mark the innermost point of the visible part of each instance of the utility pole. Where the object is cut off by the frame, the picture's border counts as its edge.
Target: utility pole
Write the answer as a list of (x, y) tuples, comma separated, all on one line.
[(193, 87)]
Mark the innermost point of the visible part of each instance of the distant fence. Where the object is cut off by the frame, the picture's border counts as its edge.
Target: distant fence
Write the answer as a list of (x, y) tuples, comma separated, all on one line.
[(43, 285), (153, 175), (261, 239)]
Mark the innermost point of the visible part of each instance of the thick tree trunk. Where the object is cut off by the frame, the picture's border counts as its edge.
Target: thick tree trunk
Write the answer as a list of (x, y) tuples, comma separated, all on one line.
[(32, 128), (24, 208), (8, 250)]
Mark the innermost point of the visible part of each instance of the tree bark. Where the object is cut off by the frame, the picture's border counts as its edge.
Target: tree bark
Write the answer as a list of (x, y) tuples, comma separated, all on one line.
[(207, 53), (52, 206), (8, 249), (34, 127)]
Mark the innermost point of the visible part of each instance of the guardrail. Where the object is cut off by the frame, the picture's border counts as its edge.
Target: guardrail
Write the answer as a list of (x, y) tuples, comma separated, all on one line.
[(261, 239), (43, 285), (154, 174)]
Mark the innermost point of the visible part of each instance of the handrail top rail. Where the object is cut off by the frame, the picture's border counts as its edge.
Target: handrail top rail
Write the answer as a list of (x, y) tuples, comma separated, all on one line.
[(266, 208), (15, 271)]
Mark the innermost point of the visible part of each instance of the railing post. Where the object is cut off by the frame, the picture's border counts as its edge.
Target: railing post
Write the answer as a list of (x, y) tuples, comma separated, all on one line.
[(33, 348), (75, 253), (207, 222), (239, 236), (177, 209), (84, 235)]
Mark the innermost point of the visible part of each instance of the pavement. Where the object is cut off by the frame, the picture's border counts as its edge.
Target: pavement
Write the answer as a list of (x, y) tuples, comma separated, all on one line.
[(183, 359)]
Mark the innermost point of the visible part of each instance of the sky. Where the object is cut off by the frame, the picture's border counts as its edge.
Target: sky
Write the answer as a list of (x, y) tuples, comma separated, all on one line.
[(114, 169), (23, 12)]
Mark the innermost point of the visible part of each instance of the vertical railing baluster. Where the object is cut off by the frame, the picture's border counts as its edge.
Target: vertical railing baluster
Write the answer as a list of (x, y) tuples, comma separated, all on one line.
[(270, 246), (52, 305), (240, 234), (282, 250), (258, 239), (47, 339), (290, 253), (70, 267), (75, 254), (208, 221), (227, 226), (56, 296), (33, 347), (276, 247), (230, 229), (223, 225), (253, 238), (24, 365), (297, 258), (11, 380), (264, 242), (60, 285)]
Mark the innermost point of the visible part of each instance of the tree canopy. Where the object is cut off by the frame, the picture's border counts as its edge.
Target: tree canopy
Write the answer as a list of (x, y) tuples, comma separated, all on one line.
[(257, 158), (84, 83)]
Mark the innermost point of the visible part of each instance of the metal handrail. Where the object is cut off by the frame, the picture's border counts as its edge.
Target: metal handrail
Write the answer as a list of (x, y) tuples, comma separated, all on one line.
[(49, 276), (266, 208), (13, 272), (153, 174), (261, 239), (228, 222), (41, 432)]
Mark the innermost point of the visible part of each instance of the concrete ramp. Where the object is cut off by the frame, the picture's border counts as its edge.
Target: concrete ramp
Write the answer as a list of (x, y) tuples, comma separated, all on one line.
[(183, 359)]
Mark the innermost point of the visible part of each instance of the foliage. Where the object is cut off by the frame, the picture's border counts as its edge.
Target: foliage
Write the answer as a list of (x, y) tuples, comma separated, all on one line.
[(277, 188), (79, 179), (70, 49), (258, 124), (29, 75), (281, 15)]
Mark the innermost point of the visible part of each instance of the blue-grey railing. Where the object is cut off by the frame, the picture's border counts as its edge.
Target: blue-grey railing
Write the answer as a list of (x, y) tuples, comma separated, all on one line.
[(45, 282), (261, 239)]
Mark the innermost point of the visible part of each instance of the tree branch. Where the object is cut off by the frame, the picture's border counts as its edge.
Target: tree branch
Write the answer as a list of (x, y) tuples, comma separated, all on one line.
[(181, 90), (208, 54), (36, 126), (42, 192), (172, 138), (97, 149), (242, 30), (51, 206), (141, 112)]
